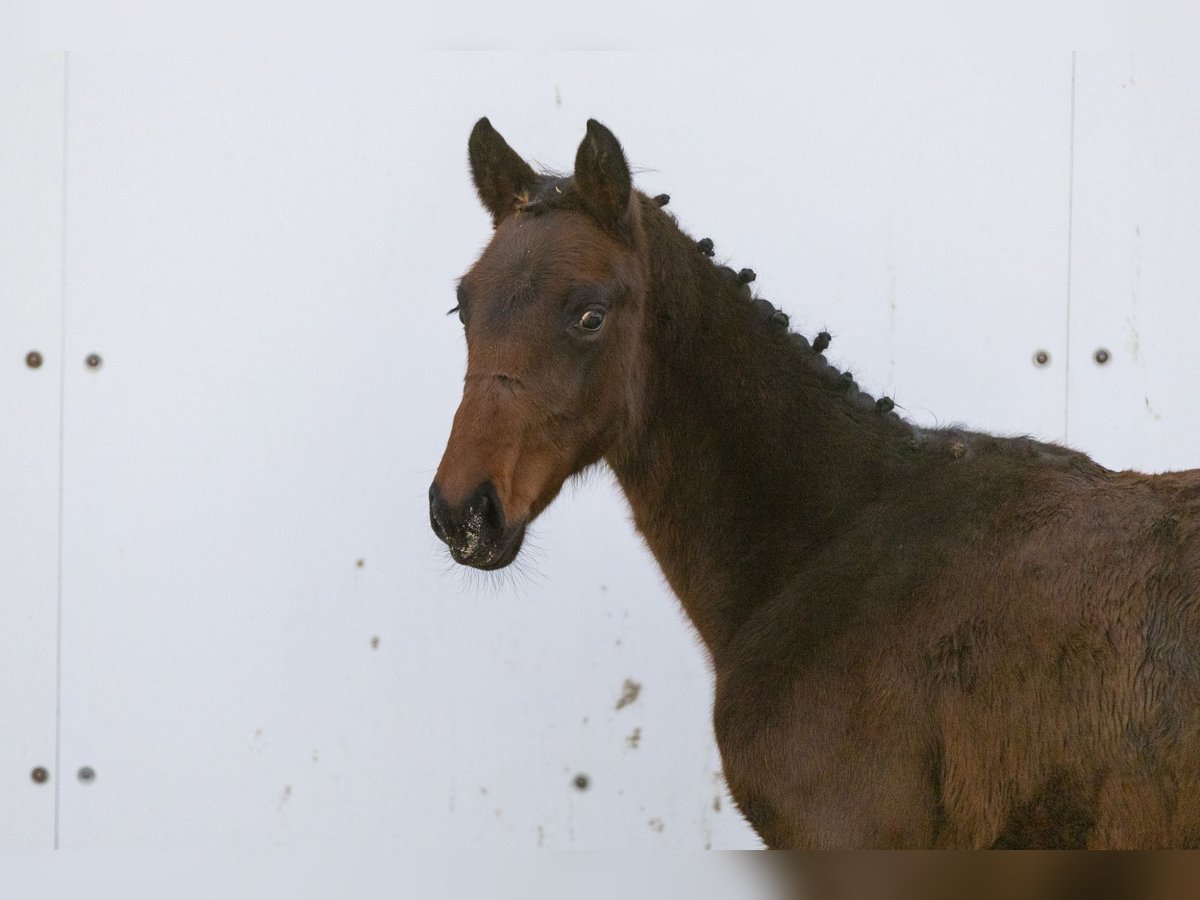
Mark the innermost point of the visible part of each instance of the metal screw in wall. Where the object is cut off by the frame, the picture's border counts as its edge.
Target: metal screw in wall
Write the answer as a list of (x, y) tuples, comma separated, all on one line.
[(40, 775), (93, 360), (1101, 356), (87, 774), (33, 359), (1041, 359)]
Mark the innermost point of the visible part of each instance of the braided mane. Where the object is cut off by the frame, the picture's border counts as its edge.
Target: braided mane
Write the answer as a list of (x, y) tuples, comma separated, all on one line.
[(557, 191), (777, 324)]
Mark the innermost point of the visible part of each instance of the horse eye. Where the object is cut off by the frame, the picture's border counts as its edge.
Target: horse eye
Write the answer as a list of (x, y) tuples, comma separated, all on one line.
[(592, 320), (461, 306)]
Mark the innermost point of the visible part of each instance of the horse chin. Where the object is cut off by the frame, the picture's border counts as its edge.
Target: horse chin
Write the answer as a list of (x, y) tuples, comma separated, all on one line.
[(501, 554)]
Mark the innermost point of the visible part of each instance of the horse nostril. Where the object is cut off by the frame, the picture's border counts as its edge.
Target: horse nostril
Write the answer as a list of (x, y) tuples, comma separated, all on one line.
[(488, 506)]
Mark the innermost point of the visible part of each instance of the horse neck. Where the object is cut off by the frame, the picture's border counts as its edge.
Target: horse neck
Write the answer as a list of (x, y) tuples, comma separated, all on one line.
[(748, 453)]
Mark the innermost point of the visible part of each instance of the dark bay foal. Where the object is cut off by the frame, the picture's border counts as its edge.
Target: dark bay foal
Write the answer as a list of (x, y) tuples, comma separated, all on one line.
[(921, 638)]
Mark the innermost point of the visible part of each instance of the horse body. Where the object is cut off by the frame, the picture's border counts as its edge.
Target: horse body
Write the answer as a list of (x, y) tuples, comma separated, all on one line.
[(972, 686), (919, 637)]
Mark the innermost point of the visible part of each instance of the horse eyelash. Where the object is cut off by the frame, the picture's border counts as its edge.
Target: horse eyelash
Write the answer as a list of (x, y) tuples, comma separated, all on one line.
[(457, 308)]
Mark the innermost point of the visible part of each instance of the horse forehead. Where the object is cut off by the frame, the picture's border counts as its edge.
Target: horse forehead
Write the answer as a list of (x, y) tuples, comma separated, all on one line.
[(530, 249)]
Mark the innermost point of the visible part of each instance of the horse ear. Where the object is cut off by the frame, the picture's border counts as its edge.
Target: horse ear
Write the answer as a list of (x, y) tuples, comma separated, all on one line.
[(500, 174), (602, 175)]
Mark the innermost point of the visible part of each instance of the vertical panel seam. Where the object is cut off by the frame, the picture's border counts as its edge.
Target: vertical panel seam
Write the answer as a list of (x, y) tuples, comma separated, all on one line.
[(62, 388), (1070, 260)]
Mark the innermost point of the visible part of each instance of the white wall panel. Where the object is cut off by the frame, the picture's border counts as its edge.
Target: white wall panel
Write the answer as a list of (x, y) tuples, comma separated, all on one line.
[(31, 222), (1136, 261), (262, 250)]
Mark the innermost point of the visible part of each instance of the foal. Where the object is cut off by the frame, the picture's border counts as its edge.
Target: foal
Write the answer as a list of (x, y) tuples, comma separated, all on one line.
[(921, 638)]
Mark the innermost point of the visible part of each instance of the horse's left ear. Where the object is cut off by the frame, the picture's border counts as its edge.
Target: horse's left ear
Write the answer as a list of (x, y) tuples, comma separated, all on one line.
[(602, 176)]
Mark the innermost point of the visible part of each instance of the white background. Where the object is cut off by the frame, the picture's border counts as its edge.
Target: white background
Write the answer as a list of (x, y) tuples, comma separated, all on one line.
[(202, 539)]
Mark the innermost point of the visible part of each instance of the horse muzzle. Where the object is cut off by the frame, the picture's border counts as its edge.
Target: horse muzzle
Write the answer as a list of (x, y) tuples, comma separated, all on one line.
[(476, 530)]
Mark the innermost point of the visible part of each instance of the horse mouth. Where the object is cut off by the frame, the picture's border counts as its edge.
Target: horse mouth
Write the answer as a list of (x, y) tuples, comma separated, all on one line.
[(491, 555)]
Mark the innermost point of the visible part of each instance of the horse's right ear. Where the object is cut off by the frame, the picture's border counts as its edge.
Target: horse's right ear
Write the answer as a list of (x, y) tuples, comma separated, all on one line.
[(500, 175)]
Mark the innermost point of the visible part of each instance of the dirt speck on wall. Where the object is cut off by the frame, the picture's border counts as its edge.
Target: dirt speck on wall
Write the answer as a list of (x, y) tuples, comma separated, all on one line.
[(629, 693)]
